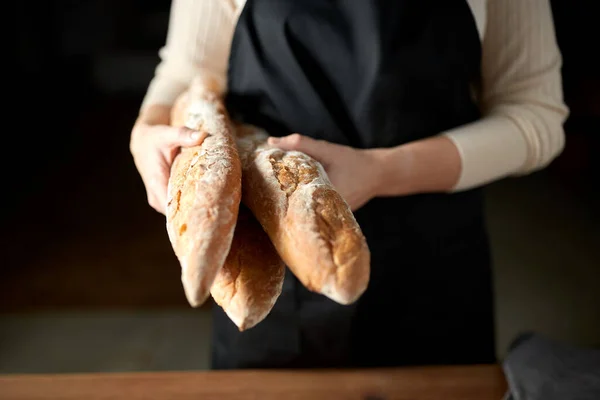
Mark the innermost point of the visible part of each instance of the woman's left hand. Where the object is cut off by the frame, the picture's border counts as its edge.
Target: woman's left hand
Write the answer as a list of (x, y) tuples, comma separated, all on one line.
[(353, 172)]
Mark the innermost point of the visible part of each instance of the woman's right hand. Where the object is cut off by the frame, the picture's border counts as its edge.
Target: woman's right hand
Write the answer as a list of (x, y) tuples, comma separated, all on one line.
[(154, 145)]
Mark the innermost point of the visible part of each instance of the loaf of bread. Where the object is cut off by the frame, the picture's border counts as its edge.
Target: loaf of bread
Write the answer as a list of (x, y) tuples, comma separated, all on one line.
[(204, 191), (251, 280), (309, 223)]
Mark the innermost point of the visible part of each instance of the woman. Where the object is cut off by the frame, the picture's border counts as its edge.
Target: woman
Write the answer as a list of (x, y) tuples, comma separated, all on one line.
[(412, 107)]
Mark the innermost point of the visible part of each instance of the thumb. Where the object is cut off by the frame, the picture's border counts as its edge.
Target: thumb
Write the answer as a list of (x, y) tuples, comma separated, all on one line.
[(318, 149), (183, 137)]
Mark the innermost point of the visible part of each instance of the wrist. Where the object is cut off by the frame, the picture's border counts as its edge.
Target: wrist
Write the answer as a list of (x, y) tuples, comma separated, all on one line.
[(431, 165), (390, 171)]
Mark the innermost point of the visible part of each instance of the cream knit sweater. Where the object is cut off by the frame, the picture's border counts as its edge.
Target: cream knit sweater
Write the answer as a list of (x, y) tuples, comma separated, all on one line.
[(522, 127)]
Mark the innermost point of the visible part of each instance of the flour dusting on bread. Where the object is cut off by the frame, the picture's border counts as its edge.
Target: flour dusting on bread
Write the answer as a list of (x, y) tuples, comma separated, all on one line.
[(204, 192), (251, 279), (310, 224)]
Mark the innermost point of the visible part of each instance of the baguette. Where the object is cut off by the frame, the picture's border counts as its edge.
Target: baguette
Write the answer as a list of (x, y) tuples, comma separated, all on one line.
[(251, 280), (204, 191), (309, 223)]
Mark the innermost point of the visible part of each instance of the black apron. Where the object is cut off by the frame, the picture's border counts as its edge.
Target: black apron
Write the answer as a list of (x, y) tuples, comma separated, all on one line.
[(370, 73)]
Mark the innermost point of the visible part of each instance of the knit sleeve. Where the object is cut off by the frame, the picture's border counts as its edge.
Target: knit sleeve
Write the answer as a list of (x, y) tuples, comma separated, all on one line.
[(198, 42), (522, 99)]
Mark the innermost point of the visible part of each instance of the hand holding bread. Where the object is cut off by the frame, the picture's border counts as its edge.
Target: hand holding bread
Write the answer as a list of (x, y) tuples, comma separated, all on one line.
[(294, 216), (309, 223), (153, 145)]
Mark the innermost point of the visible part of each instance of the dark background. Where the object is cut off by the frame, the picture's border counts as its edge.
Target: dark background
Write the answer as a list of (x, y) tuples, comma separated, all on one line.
[(76, 229)]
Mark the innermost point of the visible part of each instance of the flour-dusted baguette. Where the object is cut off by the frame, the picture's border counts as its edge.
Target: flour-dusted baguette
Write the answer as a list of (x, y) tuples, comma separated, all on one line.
[(251, 280), (204, 191), (309, 223)]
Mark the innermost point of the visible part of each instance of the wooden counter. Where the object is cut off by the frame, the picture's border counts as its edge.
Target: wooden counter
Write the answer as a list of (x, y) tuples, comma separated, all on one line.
[(431, 383)]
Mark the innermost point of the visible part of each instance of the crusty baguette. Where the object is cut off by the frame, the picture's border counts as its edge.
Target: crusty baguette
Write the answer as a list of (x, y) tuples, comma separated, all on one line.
[(309, 223), (251, 280), (204, 191)]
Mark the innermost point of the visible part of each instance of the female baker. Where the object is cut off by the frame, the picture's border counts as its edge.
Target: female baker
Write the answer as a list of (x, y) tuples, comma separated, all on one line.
[(411, 106)]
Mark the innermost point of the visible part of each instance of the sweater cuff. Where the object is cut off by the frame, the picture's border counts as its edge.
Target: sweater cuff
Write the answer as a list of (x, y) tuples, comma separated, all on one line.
[(490, 148), (162, 92)]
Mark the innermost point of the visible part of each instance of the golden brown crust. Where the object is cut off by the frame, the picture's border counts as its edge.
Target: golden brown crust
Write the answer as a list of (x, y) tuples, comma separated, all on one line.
[(251, 280), (204, 192), (310, 224)]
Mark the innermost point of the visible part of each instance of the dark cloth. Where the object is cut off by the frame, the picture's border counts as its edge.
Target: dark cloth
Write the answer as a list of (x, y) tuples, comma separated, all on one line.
[(370, 74), (540, 368)]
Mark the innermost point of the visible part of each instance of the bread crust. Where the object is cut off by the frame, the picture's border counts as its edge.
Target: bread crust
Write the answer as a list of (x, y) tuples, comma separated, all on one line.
[(251, 280), (204, 191), (295, 218), (309, 223)]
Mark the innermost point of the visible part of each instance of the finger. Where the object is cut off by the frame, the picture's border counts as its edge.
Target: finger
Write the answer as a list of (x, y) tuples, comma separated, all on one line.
[(158, 201), (194, 138), (170, 153), (156, 204), (318, 149), (181, 137), (157, 192)]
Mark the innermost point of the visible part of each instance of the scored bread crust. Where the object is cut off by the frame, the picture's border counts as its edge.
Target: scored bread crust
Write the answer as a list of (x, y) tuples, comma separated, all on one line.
[(309, 223), (204, 191), (251, 279)]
